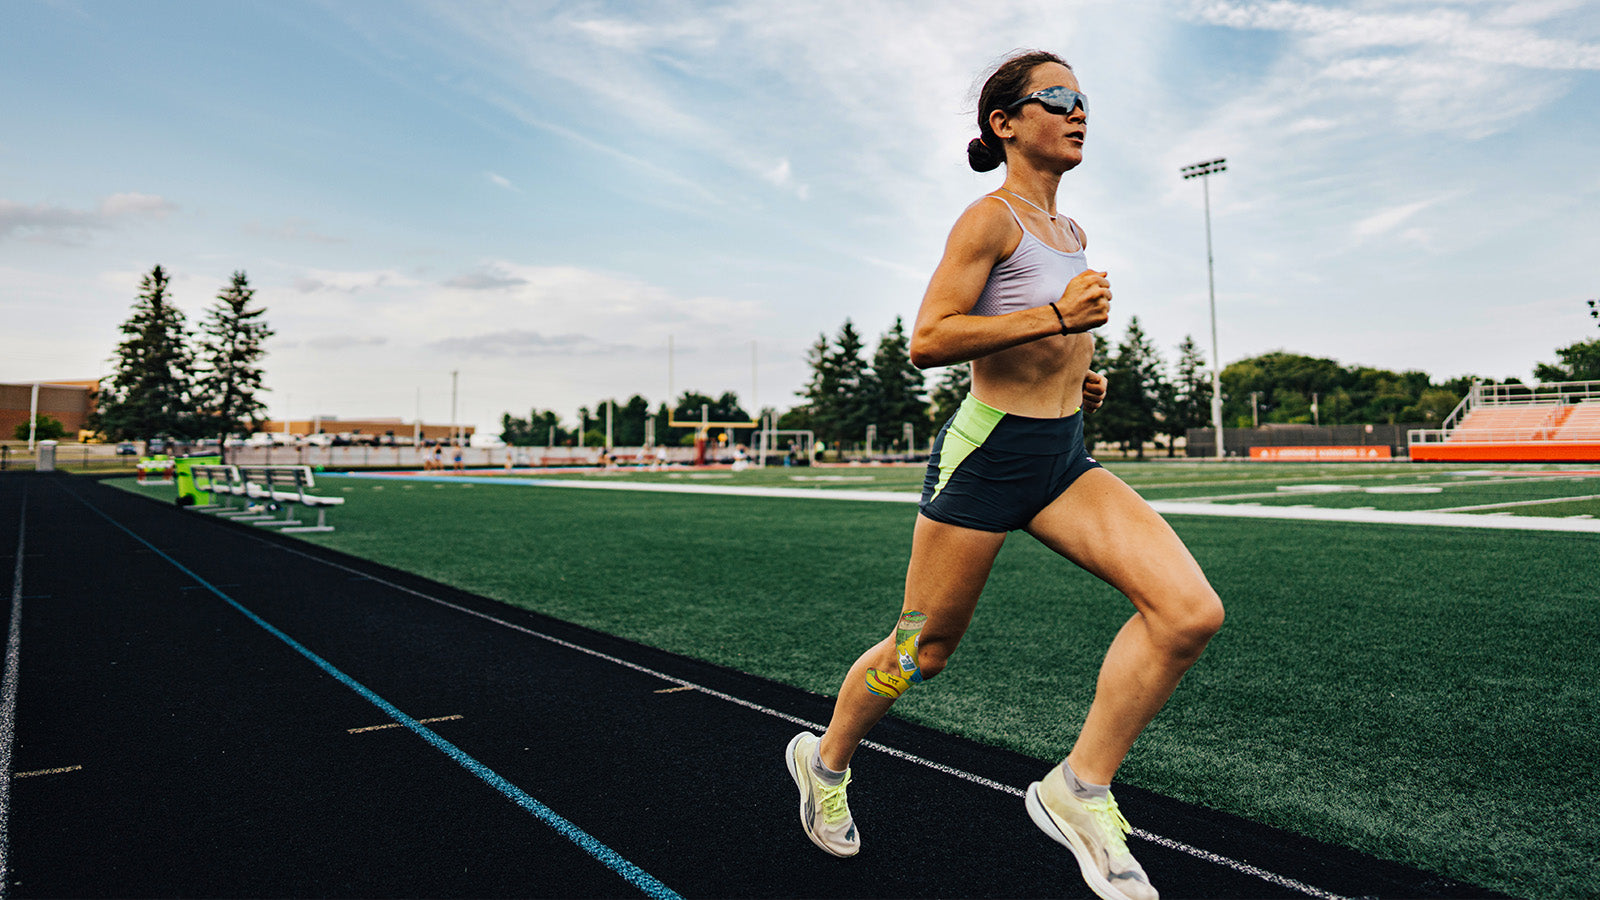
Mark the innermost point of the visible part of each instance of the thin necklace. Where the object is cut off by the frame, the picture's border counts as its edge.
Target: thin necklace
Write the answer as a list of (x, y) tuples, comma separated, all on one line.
[(1030, 203)]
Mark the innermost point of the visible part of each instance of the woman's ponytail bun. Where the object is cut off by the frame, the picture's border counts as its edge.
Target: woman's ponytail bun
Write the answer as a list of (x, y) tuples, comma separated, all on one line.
[(981, 158)]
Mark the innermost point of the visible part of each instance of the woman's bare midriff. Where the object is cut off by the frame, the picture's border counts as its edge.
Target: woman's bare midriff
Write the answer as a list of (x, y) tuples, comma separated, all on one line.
[(1041, 379)]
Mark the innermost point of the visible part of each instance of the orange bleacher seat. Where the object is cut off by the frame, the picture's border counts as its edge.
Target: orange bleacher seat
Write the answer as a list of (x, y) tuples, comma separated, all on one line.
[(1522, 422), (1582, 423)]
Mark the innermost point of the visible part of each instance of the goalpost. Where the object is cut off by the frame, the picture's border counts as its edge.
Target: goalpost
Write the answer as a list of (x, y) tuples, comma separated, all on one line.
[(704, 425)]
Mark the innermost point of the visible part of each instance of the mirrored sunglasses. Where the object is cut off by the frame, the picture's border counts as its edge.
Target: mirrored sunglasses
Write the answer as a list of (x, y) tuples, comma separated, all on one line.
[(1057, 99)]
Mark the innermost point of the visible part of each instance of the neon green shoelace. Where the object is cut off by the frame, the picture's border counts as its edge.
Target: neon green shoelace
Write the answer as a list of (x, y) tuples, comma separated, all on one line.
[(835, 808), (1111, 820)]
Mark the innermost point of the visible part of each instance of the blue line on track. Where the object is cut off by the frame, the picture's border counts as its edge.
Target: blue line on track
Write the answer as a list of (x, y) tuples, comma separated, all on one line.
[(614, 861)]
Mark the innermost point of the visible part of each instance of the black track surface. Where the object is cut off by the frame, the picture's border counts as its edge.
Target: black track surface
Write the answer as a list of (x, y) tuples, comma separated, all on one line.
[(216, 760)]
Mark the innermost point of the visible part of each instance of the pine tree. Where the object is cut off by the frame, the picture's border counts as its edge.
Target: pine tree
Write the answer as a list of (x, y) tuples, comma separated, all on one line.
[(899, 384), (1188, 402), (1129, 415), (949, 392), (229, 386), (148, 394), (839, 409)]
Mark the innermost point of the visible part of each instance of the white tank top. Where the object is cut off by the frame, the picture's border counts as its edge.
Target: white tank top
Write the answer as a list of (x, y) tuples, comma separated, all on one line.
[(1034, 274)]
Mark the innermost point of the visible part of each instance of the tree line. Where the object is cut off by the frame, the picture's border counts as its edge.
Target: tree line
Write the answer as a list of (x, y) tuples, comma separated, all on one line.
[(1151, 398), (171, 381), (631, 422)]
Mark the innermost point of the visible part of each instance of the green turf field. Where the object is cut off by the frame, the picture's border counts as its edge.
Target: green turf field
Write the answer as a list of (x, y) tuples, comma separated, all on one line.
[(1423, 694), (1500, 490)]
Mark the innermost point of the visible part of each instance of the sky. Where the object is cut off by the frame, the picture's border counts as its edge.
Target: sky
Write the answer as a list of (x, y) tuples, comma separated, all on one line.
[(540, 197)]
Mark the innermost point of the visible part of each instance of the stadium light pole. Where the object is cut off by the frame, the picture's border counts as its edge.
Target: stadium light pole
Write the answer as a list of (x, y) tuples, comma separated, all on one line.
[(453, 380), (1202, 171)]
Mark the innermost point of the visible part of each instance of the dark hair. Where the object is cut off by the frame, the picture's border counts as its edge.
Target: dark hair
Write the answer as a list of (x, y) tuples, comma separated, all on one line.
[(1007, 85)]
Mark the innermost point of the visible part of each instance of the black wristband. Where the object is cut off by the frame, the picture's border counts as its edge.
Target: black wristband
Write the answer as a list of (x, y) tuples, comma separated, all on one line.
[(1058, 317)]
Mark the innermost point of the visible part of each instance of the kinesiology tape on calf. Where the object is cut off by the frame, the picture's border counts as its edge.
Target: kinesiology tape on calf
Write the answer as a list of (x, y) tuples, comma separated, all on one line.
[(907, 641)]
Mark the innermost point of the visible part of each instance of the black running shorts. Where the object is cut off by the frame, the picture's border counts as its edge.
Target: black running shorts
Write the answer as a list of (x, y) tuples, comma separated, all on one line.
[(994, 471)]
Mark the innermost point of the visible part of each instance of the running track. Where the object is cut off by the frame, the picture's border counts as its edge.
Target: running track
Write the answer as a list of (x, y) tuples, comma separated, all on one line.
[(194, 708)]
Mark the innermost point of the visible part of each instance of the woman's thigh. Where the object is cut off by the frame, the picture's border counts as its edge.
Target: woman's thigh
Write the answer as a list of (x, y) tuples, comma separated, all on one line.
[(1103, 526), (949, 566)]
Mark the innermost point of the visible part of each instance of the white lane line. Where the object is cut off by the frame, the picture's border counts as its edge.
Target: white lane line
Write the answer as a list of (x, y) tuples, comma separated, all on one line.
[(8, 700), (1458, 509), (397, 724), (1215, 858), (673, 690), (61, 771), (1366, 515), (1288, 488)]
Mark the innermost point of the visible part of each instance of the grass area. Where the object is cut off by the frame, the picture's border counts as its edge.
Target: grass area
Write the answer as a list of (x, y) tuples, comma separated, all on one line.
[(1423, 694)]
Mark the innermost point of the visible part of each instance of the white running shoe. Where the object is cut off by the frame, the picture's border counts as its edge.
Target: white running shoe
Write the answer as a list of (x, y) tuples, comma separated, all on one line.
[(824, 810), (1094, 830)]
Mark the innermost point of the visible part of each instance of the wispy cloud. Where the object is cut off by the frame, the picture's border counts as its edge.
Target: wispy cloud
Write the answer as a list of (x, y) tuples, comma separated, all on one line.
[(486, 278), (296, 230), (517, 342), (1497, 35), (316, 280), (52, 222), (136, 204), (1387, 220), (1390, 67), (501, 181), (331, 342)]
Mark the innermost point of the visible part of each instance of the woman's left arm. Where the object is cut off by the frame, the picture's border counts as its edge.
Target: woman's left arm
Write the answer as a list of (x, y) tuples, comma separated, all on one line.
[(1094, 390)]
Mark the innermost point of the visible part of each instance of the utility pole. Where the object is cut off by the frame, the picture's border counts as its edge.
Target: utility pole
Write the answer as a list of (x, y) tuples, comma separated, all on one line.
[(453, 374), (1255, 412), (1202, 171)]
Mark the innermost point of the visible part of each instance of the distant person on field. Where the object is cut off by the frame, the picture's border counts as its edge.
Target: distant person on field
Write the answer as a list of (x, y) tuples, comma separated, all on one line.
[(1014, 294)]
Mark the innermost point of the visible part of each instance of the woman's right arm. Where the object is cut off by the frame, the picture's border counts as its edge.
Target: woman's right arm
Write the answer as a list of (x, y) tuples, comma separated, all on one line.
[(946, 333)]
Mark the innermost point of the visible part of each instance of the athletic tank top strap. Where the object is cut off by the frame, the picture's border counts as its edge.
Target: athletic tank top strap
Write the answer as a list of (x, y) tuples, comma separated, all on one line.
[(1014, 215)]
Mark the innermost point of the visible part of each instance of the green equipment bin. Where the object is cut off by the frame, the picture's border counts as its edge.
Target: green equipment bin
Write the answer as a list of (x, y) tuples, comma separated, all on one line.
[(188, 494)]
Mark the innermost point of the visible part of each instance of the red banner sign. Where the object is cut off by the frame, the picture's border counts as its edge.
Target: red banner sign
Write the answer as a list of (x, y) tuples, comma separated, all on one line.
[(1321, 454)]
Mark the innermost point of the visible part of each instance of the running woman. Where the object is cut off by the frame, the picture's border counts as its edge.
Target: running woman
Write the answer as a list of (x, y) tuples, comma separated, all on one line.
[(1014, 294)]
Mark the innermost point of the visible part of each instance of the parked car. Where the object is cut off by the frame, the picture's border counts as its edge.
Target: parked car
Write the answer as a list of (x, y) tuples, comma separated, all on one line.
[(127, 448)]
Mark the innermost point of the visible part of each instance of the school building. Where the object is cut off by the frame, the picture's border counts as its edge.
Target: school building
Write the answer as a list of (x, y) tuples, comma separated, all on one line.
[(68, 402), (364, 430)]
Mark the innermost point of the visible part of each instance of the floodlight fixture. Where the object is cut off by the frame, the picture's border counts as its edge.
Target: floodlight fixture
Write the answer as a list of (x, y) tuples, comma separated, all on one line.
[(1209, 167)]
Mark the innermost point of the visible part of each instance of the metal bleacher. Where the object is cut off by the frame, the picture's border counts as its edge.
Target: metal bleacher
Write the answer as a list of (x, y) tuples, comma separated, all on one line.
[(1555, 422)]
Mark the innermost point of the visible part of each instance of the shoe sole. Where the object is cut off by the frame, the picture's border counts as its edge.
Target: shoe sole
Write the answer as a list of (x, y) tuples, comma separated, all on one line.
[(1068, 838), (805, 821)]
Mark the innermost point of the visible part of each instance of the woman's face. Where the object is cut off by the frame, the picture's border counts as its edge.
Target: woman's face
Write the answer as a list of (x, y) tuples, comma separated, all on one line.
[(1042, 131)]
